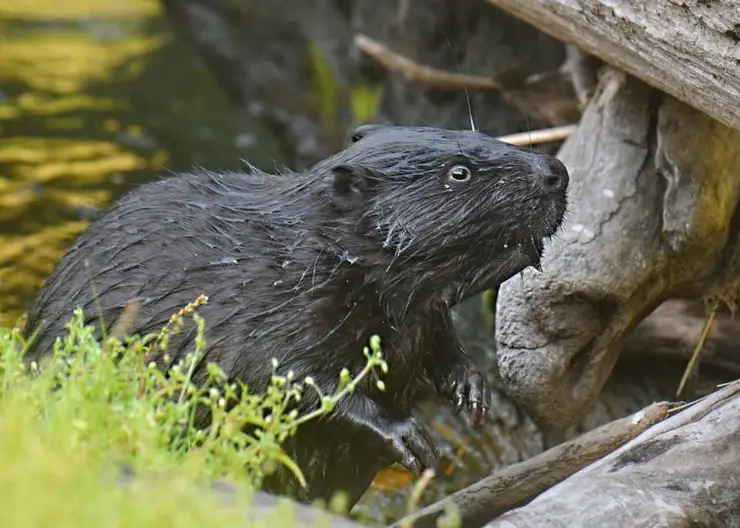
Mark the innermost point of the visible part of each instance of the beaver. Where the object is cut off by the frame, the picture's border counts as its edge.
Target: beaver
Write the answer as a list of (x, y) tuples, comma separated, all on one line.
[(382, 238)]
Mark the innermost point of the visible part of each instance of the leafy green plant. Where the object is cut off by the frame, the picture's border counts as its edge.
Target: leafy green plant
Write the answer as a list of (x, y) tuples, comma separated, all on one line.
[(90, 407)]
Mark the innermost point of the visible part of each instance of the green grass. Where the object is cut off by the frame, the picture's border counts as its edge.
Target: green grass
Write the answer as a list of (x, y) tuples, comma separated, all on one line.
[(67, 426)]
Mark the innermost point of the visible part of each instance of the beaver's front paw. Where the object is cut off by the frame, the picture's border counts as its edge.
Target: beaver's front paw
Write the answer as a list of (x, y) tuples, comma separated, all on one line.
[(410, 444), (465, 385)]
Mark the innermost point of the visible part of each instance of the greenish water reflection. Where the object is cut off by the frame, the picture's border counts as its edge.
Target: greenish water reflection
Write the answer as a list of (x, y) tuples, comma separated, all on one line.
[(95, 97)]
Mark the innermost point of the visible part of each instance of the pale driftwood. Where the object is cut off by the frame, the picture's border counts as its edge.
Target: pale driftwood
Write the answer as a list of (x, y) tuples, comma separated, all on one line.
[(653, 192), (689, 49), (684, 471), (518, 483), (539, 136)]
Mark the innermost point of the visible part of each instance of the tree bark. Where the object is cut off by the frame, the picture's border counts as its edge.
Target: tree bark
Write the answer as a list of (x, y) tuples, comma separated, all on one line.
[(682, 472), (689, 49)]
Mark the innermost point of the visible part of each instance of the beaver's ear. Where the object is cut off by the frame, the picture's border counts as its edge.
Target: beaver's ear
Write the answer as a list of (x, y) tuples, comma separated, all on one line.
[(351, 185), (361, 131)]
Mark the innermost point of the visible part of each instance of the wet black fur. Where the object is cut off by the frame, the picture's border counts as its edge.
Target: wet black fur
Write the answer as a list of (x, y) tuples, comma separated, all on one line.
[(306, 267)]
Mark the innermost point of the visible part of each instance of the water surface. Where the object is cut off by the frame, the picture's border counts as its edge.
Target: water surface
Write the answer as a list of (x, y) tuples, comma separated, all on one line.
[(95, 97)]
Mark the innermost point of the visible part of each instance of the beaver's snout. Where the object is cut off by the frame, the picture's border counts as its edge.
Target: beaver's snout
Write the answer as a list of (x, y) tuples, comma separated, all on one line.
[(544, 183), (552, 175), (546, 174)]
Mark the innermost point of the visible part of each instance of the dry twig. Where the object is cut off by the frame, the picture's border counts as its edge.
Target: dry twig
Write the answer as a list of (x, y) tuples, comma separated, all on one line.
[(543, 135), (698, 349), (547, 96), (413, 71)]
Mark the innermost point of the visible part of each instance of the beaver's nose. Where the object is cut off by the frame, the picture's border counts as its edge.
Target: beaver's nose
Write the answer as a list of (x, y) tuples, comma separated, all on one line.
[(554, 177)]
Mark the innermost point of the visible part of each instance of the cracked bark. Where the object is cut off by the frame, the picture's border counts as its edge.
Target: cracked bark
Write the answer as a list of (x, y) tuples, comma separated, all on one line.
[(688, 49), (682, 472)]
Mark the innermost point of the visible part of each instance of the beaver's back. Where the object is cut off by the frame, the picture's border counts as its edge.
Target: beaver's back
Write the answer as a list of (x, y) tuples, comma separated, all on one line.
[(168, 242)]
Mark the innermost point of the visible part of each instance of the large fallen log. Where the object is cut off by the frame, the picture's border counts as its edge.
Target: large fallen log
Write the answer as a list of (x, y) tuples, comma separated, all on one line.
[(689, 49), (519, 483), (682, 472)]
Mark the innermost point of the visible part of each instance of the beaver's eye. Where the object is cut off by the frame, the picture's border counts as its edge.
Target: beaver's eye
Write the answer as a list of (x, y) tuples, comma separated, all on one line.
[(459, 173)]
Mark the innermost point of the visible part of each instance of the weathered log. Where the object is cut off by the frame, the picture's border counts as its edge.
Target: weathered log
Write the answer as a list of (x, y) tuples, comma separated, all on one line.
[(518, 483), (689, 49), (654, 191), (682, 472)]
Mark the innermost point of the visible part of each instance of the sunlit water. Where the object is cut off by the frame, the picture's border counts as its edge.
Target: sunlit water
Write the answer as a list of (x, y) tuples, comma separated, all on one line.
[(96, 96)]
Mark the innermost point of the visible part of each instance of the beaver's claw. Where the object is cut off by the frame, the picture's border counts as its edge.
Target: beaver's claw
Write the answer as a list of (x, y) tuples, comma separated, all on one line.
[(465, 385)]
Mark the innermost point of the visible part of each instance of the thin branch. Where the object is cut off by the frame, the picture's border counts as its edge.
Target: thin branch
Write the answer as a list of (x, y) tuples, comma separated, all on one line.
[(452, 81), (698, 349), (543, 135), (547, 96), (413, 71)]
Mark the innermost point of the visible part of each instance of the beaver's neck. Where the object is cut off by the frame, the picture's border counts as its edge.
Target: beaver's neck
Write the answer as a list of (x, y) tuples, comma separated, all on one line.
[(373, 291)]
